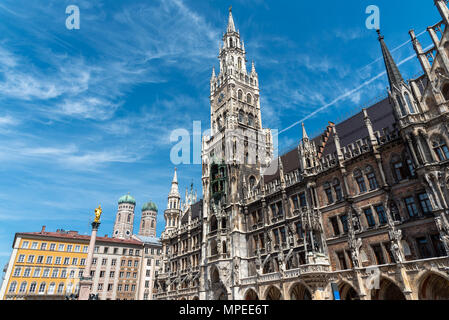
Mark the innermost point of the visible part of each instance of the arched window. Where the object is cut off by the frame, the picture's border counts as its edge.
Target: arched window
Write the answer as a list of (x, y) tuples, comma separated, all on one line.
[(360, 180), (152, 223), (328, 191), (13, 286), (119, 217), (225, 250), (213, 224), (51, 288), (61, 287), (397, 167), (440, 148), (250, 120), (213, 248), (23, 287), (240, 95), (33, 287), (371, 178), (401, 106), (445, 91), (241, 116), (129, 218), (409, 103), (252, 182), (240, 63), (249, 99), (42, 287), (337, 189)]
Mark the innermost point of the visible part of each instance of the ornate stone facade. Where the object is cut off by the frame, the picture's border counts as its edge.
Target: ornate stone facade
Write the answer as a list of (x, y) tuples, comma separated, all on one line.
[(364, 206)]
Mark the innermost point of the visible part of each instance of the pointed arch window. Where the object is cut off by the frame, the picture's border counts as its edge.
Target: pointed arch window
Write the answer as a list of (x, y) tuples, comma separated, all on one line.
[(252, 182), (249, 98), (240, 95), (239, 63), (213, 224), (360, 180), (328, 191), (373, 185), (409, 103), (445, 91), (337, 189), (401, 106), (441, 149)]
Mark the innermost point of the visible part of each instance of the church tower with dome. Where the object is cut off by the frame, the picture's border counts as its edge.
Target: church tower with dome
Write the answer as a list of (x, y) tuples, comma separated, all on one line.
[(124, 220), (148, 220)]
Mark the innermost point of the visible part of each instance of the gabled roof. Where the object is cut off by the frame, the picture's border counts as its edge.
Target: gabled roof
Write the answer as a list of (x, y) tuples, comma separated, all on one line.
[(349, 131)]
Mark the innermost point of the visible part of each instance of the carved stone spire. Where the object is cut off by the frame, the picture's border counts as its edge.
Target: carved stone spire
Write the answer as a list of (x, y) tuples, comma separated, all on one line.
[(231, 25), (394, 75)]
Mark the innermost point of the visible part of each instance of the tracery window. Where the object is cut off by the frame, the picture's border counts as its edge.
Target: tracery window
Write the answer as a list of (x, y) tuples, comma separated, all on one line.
[(371, 178), (360, 180), (441, 149), (401, 106)]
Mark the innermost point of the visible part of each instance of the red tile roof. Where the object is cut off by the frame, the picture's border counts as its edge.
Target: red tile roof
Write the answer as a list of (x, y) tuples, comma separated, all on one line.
[(73, 235)]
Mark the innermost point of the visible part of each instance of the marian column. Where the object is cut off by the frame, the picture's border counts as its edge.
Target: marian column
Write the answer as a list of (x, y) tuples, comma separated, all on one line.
[(86, 279)]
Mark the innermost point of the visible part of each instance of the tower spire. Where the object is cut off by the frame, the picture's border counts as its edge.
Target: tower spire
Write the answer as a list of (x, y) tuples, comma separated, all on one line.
[(394, 75), (174, 185), (304, 132), (231, 25)]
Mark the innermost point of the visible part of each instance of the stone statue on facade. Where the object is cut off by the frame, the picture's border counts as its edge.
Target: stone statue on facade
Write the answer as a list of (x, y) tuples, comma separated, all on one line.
[(236, 271), (354, 246), (281, 262), (397, 254), (395, 238), (268, 246), (443, 228)]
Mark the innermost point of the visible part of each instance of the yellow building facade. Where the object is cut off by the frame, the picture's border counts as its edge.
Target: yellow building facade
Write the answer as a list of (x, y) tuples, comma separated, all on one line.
[(45, 265)]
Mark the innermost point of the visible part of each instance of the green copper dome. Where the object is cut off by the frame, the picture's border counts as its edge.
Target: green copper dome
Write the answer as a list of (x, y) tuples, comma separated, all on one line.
[(149, 206), (127, 199)]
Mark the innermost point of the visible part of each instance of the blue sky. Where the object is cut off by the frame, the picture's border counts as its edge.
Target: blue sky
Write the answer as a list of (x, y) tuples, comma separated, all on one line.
[(86, 115)]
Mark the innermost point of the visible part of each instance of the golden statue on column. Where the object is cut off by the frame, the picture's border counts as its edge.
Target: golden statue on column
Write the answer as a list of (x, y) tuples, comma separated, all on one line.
[(98, 212)]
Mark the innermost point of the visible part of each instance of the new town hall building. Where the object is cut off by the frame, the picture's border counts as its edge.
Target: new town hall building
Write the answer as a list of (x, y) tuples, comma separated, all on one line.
[(362, 209)]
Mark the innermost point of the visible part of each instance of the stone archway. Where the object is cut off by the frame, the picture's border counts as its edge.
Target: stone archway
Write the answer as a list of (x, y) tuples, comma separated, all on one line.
[(251, 295), (218, 288), (300, 292), (195, 298), (347, 292), (388, 290), (434, 287), (273, 293)]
